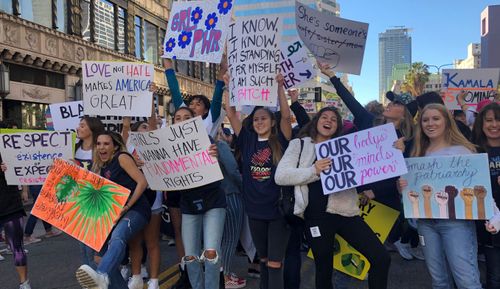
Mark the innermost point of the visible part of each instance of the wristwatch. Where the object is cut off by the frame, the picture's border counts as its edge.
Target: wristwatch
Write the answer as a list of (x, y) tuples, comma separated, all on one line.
[(452, 194), (442, 201), (467, 194), (480, 193), (427, 192), (413, 197)]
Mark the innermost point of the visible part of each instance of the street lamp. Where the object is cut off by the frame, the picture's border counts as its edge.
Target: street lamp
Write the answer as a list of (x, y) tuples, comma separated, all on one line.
[(438, 67), (4, 80)]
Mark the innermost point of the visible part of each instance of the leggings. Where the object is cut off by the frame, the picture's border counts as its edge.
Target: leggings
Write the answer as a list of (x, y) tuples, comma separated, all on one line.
[(14, 235)]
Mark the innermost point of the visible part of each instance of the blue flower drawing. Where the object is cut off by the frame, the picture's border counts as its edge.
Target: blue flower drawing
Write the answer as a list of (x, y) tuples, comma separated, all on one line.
[(169, 46), (211, 21), (225, 6), (184, 38), (196, 15)]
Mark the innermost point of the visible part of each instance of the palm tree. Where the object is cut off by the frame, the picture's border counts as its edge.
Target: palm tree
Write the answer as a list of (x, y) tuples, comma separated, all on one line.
[(416, 79)]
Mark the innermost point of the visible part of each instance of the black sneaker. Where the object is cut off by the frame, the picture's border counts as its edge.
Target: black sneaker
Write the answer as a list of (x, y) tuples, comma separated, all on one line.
[(253, 273), (183, 282)]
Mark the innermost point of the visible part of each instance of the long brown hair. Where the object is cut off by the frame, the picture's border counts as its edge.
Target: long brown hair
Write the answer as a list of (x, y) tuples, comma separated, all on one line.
[(311, 128), (452, 134), (95, 126), (478, 136), (273, 140)]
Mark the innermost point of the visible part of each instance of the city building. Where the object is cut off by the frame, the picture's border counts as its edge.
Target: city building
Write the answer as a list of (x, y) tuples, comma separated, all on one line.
[(434, 83), (490, 37), (399, 72), (394, 48), (43, 42), (473, 59)]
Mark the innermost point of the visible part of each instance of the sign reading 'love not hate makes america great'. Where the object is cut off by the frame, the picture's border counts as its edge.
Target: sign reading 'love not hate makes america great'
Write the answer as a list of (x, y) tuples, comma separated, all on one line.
[(360, 158), (117, 88), (448, 187)]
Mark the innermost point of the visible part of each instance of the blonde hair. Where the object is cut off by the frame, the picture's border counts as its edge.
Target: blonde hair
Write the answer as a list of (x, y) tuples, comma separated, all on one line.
[(452, 135), (118, 144)]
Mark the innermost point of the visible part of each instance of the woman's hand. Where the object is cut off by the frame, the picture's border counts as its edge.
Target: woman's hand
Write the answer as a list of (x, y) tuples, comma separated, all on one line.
[(489, 227), (401, 184), (153, 88), (399, 144), (212, 151), (167, 63), (280, 79), (326, 69), (366, 196), (321, 165), (294, 95), (3, 167), (226, 78)]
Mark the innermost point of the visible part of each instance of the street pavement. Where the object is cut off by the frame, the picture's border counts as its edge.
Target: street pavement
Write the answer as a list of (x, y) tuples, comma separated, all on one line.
[(52, 264)]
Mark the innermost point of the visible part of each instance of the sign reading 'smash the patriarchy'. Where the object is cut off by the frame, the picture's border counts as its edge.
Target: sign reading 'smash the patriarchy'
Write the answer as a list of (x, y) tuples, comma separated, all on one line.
[(177, 157), (336, 41), (361, 158), (197, 30), (29, 155), (253, 49), (448, 187), (117, 88), (479, 84)]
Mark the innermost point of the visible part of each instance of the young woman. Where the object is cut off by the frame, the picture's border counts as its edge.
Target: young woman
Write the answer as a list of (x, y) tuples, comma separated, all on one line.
[(112, 161), (262, 146), (446, 243), (486, 135), (327, 215), (11, 219)]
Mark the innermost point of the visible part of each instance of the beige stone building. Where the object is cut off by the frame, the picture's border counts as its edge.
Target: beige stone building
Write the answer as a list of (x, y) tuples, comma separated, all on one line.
[(43, 42)]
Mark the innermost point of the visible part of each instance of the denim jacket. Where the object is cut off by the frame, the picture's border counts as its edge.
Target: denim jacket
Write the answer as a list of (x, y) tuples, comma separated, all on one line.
[(232, 182)]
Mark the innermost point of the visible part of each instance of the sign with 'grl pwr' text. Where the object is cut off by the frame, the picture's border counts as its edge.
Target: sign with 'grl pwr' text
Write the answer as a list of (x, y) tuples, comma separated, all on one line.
[(176, 157), (117, 88), (448, 187), (360, 158), (29, 155), (197, 30)]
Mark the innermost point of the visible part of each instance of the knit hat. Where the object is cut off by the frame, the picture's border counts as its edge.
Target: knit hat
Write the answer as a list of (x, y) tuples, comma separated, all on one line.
[(482, 104)]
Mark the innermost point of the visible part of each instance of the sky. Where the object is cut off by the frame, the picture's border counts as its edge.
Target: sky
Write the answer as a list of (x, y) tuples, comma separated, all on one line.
[(441, 31)]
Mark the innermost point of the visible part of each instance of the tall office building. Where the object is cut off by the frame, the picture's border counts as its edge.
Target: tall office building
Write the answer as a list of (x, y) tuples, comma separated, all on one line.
[(394, 48), (490, 37)]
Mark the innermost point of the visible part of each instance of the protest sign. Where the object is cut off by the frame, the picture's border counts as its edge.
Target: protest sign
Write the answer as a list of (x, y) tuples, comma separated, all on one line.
[(295, 65), (115, 123), (448, 187), (117, 88), (348, 260), (29, 155), (80, 203), (176, 157), (308, 105), (360, 158), (66, 115), (478, 83), (253, 60), (198, 30), (339, 42)]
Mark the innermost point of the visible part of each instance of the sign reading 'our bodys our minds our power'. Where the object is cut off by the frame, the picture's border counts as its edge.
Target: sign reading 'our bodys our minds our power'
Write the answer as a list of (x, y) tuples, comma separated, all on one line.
[(361, 158), (117, 88)]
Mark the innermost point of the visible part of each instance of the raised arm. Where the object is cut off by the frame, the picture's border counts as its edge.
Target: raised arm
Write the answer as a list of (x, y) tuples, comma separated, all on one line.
[(126, 128), (152, 121), (298, 110), (173, 84), (231, 111), (285, 121), (216, 105)]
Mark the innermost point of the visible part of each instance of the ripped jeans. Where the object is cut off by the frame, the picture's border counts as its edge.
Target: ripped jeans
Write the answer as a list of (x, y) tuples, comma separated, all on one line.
[(112, 253), (211, 224)]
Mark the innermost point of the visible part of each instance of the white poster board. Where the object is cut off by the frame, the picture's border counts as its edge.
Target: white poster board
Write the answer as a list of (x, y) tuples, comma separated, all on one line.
[(253, 60), (334, 40), (361, 158), (117, 88), (478, 83), (176, 157), (66, 115), (296, 66), (29, 155), (197, 30)]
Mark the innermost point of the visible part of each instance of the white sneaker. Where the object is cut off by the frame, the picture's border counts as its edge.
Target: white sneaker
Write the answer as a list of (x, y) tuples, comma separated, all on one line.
[(144, 272), (89, 278), (153, 284), (135, 282), (25, 285), (417, 253), (404, 250), (125, 271), (2, 258)]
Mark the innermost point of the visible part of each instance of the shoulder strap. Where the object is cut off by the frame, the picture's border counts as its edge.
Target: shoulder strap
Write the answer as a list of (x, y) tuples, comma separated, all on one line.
[(301, 148)]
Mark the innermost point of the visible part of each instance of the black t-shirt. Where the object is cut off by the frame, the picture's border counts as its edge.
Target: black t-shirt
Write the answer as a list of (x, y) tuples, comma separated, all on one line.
[(199, 200), (261, 193), (316, 208)]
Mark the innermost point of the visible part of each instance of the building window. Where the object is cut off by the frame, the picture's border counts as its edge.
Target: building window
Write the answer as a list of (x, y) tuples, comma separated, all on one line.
[(122, 16), (36, 76), (62, 14), (85, 14), (483, 26), (160, 44), (38, 11), (150, 43), (6, 6), (138, 37), (181, 66), (104, 23)]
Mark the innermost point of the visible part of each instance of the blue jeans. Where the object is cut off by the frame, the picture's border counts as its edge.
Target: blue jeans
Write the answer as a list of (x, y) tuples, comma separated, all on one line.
[(112, 253), (211, 224), (453, 241)]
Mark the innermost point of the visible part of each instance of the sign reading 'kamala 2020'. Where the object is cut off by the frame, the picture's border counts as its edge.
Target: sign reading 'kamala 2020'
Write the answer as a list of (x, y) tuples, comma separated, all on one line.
[(117, 88), (361, 158)]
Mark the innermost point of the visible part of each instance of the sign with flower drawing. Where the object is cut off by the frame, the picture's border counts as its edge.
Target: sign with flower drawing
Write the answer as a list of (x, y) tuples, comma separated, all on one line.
[(197, 30), (80, 203)]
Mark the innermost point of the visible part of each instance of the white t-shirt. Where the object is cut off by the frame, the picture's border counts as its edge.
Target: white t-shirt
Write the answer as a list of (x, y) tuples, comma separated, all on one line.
[(84, 158)]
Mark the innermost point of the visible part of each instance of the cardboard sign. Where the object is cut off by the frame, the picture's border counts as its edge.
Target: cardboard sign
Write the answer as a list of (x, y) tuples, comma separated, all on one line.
[(176, 157), (308, 105), (115, 123), (339, 42), (478, 83), (348, 260), (29, 155), (66, 115), (296, 66), (361, 158), (253, 60), (117, 88), (448, 187), (80, 203), (197, 30)]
